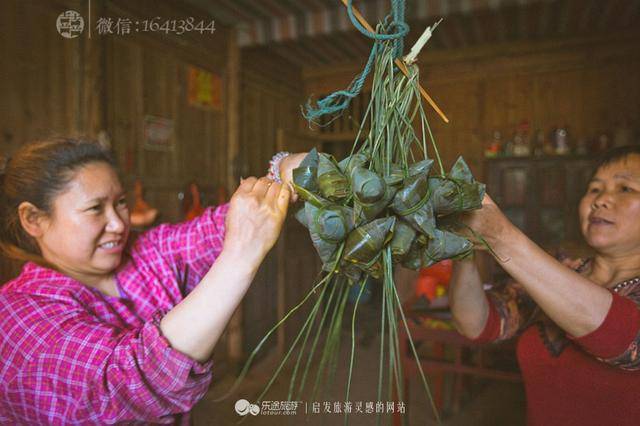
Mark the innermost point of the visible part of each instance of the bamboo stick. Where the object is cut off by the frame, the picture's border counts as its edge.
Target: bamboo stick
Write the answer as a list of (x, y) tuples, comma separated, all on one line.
[(401, 65)]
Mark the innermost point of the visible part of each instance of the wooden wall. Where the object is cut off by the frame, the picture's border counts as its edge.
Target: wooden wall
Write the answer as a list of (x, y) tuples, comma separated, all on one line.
[(147, 76), (40, 74), (110, 83), (51, 85), (590, 85), (41, 80), (81, 86), (271, 95)]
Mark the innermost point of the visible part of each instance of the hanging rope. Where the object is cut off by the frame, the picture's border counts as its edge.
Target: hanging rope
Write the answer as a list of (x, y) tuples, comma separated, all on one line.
[(395, 28)]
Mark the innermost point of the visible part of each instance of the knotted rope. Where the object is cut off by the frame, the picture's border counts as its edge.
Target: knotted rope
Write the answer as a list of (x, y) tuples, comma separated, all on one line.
[(395, 29)]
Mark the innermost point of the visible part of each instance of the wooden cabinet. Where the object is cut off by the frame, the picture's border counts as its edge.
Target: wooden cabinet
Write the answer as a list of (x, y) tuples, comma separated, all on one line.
[(541, 196)]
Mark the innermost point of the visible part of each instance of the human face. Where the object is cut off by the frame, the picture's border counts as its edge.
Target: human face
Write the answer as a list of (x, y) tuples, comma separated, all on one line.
[(89, 224), (610, 210)]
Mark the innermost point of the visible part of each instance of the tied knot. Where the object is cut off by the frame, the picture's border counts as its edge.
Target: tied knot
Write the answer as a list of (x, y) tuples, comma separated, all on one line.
[(393, 28)]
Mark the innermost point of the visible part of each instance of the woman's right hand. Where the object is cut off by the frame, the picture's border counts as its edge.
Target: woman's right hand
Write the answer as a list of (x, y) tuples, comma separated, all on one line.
[(256, 213)]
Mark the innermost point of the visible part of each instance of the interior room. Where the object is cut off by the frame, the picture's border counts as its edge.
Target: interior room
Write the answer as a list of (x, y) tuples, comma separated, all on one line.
[(194, 98)]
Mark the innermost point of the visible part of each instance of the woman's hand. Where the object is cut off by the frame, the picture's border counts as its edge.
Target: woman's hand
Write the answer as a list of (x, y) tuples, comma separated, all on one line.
[(573, 302), (256, 213), (254, 220), (289, 163), (488, 222)]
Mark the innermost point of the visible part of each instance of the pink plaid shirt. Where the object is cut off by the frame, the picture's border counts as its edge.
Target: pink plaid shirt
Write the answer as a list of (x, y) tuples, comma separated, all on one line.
[(71, 355)]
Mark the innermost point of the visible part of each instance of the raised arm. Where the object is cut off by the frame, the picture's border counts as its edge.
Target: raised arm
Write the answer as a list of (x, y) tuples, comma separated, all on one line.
[(256, 214), (189, 249), (497, 314), (573, 302)]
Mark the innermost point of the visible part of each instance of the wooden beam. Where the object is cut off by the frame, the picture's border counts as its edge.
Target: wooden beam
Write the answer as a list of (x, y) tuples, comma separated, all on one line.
[(531, 19), (221, 12), (476, 26), (330, 43), (255, 8), (274, 9), (297, 7), (458, 25), (586, 18), (521, 28), (364, 44), (485, 26), (316, 4), (317, 50), (92, 111), (308, 58), (605, 20), (443, 57), (241, 11), (633, 13), (501, 25), (545, 17), (287, 54), (345, 42)]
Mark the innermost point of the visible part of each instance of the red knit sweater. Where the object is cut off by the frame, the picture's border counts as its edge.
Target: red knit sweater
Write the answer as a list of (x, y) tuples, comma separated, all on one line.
[(588, 383)]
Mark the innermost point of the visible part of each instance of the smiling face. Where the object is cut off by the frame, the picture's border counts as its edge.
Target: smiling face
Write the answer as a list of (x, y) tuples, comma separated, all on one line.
[(89, 224), (610, 210)]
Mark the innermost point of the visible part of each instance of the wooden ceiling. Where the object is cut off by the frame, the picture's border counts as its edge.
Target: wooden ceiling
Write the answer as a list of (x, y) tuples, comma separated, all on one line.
[(318, 33)]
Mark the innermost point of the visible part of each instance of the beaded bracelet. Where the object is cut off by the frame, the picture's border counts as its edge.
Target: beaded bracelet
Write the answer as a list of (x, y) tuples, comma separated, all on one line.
[(274, 166)]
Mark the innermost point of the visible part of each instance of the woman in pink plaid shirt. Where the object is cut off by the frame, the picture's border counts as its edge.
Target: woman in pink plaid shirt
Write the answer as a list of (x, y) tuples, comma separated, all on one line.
[(97, 328)]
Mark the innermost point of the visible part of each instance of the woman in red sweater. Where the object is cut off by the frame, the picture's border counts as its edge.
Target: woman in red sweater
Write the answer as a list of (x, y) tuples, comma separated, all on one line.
[(579, 330)]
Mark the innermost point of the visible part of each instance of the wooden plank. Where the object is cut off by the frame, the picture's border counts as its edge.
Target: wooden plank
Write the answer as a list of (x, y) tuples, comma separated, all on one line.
[(542, 27), (478, 30), (35, 90), (616, 41), (610, 8), (11, 116), (288, 55), (91, 85)]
